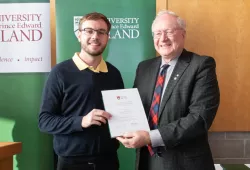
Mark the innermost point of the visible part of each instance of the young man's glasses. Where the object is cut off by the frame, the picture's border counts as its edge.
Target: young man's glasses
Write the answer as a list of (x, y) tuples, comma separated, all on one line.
[(91, 31)]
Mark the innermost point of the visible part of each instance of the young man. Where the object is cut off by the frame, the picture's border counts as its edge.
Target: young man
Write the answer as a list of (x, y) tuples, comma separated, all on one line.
[(180, 94), (72, 108)]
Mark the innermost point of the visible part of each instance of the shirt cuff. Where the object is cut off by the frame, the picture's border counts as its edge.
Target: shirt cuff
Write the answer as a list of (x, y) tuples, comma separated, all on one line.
[(156, 139)]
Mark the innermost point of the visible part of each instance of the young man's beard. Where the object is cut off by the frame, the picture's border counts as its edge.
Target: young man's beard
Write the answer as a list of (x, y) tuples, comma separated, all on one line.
[(94, 53)]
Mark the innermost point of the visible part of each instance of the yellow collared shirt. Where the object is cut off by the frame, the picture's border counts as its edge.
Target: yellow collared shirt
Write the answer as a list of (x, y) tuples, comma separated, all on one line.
[(81, 65)]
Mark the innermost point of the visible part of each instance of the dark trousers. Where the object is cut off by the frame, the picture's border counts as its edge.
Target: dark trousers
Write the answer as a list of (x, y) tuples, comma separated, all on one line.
[(77, 163), (55, 161)]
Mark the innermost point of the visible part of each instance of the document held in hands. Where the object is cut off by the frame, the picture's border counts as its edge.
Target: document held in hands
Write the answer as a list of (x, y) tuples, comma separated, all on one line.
[(127, 111)]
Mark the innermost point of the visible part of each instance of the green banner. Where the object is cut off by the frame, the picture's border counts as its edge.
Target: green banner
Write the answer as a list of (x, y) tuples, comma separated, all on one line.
[(130, 39), (19, 108)]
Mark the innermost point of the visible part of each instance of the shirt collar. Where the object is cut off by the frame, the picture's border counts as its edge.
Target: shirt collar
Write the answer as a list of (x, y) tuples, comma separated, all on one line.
[(81, 65), (170, 63)]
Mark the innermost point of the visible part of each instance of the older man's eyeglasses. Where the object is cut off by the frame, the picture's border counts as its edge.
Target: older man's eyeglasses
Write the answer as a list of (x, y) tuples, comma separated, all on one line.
[(91, 31), (167, 32)]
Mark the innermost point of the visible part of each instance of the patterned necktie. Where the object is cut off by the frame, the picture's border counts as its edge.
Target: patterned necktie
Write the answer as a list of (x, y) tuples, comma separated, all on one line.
[(154, 109)]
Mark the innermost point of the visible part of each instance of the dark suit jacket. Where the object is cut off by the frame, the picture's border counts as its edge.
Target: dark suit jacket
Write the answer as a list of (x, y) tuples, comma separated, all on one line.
[(187, 110)]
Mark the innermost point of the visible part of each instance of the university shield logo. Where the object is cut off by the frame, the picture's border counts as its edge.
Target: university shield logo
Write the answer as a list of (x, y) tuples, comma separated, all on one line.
[(76, 24)]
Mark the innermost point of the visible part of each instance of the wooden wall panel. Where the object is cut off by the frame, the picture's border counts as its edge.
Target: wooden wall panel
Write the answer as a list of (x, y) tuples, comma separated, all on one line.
[(220, 28), (53, 32), (161, 5)]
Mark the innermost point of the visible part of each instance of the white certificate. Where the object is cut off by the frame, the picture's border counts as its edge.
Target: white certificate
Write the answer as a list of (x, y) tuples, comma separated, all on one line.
[(127, 111)]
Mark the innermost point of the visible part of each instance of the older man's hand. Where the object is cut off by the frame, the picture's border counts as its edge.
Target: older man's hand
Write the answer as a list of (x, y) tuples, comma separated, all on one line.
[(135, 139)]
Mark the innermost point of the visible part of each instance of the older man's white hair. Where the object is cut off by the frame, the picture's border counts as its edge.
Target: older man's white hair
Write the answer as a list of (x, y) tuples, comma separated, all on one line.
[(181, 22)]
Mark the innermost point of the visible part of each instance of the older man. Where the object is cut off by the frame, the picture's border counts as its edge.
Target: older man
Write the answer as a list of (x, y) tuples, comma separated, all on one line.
[(180, 94)]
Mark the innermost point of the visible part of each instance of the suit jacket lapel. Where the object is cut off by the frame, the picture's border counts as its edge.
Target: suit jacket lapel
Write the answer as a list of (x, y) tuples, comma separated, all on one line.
[(179, 69)]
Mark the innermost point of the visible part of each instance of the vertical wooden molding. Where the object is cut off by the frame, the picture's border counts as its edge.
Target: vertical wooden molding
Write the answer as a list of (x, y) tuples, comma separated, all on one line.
[(161, 5), (53, 31)]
